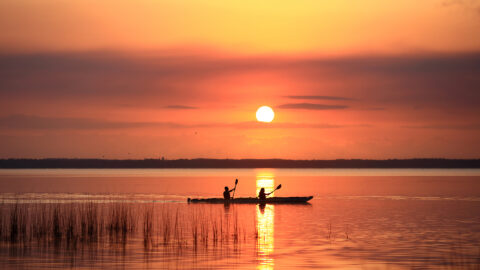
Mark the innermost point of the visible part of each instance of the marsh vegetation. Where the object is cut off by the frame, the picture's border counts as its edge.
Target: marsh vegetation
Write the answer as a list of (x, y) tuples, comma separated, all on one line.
[(74, 224)]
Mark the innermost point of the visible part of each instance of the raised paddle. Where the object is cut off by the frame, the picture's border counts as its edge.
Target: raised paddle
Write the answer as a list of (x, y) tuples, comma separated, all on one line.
[(278, 187), (236, 182)]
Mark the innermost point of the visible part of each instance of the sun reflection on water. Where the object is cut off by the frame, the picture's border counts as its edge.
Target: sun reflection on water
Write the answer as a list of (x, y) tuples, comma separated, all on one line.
[(265, 180), (265, 224)]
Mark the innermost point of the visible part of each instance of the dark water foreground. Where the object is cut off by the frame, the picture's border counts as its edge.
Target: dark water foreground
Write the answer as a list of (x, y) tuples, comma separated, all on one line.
[(65, 219), (113, 234), (169, 235)]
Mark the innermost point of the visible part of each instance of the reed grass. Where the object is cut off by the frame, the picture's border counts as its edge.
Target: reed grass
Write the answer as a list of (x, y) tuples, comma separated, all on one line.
[(148, 227), (457, 258), (73, 224)]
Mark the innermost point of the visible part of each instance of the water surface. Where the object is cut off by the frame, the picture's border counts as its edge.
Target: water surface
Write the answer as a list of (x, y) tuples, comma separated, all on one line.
[(358, 219)]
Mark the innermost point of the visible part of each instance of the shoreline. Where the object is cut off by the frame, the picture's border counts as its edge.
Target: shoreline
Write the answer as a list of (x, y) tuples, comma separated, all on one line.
[(202, 163)]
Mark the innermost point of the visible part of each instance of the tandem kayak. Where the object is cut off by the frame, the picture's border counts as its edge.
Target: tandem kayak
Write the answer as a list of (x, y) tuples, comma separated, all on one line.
[(276, 200)]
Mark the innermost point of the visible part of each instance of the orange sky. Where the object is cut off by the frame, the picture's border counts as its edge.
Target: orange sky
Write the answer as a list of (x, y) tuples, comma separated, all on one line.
[(183, 79)]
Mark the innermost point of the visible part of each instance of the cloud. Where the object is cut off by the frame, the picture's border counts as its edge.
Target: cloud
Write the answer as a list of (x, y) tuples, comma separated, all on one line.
[(438, 81), (29, 122), (320, 97), (253, 125), (372, 109), (446, 126), (180, 107), (311, 106), (48, 123)]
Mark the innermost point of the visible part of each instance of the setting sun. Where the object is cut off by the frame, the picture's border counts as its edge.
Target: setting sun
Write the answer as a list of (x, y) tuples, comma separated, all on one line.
[(128, 137), (265, 114)]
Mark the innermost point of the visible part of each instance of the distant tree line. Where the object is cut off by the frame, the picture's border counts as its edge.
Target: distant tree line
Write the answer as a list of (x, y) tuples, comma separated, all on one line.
[(237, 163)]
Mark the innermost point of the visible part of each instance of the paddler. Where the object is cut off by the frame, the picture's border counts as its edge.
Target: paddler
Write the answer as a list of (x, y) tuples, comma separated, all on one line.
[(226, 193), (262, 195)]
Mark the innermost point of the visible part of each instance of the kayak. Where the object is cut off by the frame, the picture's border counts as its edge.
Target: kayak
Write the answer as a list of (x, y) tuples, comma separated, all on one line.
[(276, 200)]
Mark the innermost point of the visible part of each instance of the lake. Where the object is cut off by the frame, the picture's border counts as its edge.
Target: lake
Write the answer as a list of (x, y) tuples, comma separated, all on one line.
[(140, 218)]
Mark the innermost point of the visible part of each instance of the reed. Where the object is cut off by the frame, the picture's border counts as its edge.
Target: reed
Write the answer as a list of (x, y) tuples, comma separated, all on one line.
[(39, 226), (91, 226), (72, 224), (14, 223), (2, 220), (166, 227), (457, 258), (121, 219), (194, 227), (214, 227), (177, 229), (236, 228), (329, 230), (204, 232), (148, 227)]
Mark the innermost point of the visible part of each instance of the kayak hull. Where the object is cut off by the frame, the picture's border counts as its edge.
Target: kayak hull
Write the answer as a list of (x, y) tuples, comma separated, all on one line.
[(251, 200)]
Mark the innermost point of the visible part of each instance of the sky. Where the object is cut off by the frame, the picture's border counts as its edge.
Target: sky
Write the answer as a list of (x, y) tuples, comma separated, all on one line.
[(139, 79)]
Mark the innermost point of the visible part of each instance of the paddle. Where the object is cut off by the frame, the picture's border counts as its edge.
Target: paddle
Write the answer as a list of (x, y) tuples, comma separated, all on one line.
[(278, 187), (236, 182)]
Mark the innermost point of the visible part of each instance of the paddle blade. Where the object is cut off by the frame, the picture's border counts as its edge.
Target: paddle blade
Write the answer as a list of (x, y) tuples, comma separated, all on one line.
[(236, 181), (279, 186)]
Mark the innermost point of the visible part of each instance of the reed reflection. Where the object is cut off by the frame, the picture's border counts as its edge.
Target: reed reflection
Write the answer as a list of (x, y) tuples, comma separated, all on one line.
[(265, 224)]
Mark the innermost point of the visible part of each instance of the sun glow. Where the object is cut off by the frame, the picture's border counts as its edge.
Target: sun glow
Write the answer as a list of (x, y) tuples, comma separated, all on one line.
[(265, 114), (265, 223)]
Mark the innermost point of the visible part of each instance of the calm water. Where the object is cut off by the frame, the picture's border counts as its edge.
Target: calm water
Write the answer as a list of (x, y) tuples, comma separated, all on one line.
[(359, 219)]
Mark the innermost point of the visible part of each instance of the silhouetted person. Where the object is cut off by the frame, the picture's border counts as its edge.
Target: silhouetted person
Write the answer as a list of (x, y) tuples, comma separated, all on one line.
[(226, 193), (262, 195)]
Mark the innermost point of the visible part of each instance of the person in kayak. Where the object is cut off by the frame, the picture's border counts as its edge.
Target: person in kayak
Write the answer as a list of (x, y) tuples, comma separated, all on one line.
[(226, 193), (262, 195)]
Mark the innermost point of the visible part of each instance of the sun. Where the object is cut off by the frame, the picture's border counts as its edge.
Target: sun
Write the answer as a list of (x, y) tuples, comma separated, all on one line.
[(265, 114)]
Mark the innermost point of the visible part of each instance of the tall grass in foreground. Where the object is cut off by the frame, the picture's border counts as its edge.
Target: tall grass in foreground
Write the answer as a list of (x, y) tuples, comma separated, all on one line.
[(73, 224)]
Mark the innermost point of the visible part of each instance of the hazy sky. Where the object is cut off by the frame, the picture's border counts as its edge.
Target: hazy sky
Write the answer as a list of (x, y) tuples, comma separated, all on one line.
[(183, 79)]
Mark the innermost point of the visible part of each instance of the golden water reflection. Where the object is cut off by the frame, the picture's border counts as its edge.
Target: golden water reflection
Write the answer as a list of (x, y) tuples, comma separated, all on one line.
[(265, 180), (265, 224)]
